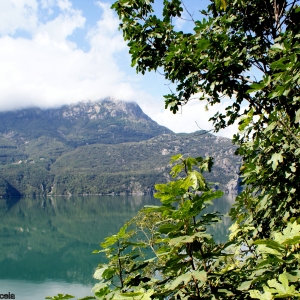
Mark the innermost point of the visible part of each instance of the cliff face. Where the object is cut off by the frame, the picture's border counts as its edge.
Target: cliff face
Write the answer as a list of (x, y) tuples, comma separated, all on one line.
[(101, 110), (99, 148)]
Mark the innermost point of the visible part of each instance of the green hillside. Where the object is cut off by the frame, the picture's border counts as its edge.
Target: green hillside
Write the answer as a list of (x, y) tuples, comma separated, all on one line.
[(37, 159)]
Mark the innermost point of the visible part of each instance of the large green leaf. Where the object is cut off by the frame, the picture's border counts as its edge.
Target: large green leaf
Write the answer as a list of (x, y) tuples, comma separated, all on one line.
[(290, 234), (275, 159), (183, 279)]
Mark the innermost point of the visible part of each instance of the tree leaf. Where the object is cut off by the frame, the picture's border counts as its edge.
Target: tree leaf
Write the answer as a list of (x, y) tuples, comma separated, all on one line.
[(245, 285), (276, 157)]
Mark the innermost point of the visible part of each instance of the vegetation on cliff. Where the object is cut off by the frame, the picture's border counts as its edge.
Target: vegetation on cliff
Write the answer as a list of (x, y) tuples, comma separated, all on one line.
[(97, 148)]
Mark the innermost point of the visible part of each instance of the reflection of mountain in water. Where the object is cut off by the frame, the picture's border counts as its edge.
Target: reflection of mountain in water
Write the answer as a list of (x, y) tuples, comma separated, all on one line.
[(222, 205), (52, 238)]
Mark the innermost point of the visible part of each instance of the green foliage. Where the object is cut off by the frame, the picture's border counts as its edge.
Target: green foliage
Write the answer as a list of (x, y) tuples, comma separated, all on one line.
[(261, 258), (60, 297), (214, 62), (167, 252)]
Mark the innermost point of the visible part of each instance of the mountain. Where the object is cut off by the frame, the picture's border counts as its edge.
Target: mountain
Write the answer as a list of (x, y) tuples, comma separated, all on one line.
[(99, 148), (106, 122)]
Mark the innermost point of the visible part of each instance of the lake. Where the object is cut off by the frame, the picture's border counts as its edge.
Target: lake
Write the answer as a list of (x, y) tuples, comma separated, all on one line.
[(47, 243)]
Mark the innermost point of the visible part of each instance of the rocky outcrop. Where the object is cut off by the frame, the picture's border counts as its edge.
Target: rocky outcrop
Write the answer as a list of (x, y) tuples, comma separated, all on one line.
[(233, 187), (104, 109)]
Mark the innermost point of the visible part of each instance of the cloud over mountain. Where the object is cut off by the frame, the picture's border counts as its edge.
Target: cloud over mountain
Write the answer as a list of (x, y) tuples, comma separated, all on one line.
[(42, 66), (52, 54)]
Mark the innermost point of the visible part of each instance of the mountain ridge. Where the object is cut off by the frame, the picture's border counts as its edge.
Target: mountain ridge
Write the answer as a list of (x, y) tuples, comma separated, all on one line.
[(110, 121)]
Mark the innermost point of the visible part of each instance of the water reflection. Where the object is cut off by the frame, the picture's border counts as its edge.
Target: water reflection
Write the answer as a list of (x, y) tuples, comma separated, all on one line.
[(28, 290), (222, 205), (54, 237), (47, 242)]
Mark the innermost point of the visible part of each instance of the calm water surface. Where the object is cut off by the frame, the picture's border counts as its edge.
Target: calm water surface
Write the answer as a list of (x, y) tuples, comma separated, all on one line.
[(46, 243)]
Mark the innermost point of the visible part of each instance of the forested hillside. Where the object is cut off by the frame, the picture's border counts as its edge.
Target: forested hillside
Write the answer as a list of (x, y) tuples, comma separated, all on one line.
[(99, 148)]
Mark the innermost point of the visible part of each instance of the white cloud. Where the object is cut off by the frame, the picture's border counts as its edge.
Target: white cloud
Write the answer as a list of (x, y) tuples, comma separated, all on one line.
[(48, 70), (64, 4), (191, 117), (105, 38), (17, 15), (60, 28), (47, 3)]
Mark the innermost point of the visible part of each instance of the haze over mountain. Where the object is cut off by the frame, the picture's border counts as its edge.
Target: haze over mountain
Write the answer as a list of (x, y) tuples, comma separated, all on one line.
[(98, 148)]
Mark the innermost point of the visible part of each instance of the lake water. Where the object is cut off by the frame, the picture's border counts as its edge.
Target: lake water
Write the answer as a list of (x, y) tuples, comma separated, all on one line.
[(46, 244)]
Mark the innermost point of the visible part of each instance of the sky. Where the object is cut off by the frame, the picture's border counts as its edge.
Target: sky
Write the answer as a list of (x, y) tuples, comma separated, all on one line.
[(57, 52)]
